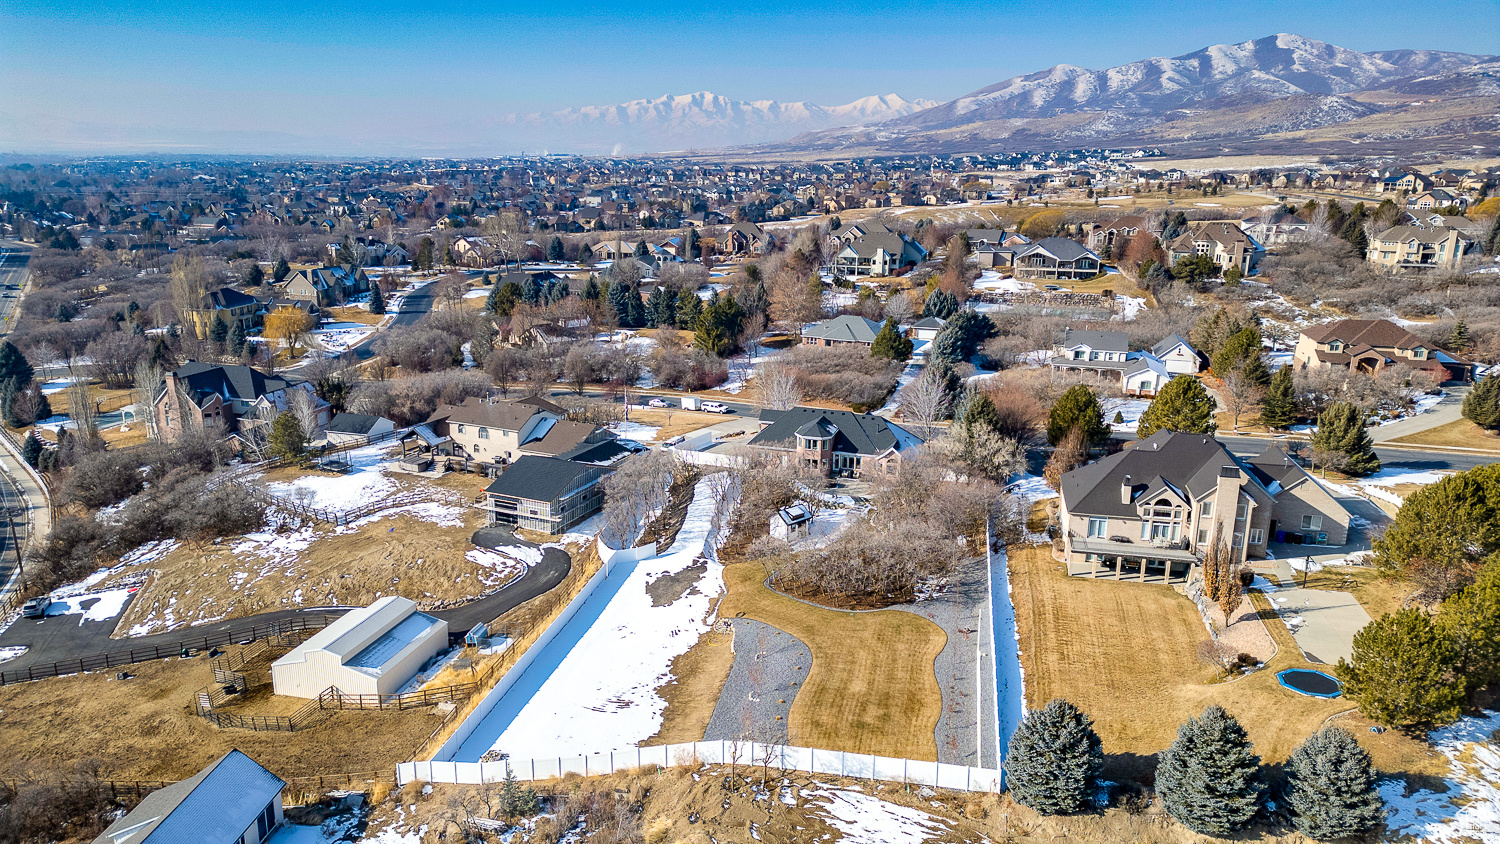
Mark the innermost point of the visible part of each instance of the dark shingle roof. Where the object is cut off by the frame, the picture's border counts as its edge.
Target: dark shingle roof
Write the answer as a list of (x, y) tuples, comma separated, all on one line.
[(858, 433), (1058, 247), (229, 381), (1188, 462), (1111, 341), (538, 478), (352, 423)]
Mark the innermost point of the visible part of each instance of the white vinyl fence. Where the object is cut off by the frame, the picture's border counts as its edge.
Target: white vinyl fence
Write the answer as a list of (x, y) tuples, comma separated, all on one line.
[(755, 754)]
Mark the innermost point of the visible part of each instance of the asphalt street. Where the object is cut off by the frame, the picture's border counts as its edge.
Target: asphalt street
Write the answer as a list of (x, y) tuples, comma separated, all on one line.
[(62, 637), (13, 258), (414, 306)]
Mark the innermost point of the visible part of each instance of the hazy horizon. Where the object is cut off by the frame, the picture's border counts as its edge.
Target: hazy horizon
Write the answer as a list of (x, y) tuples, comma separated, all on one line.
[(378, 80)]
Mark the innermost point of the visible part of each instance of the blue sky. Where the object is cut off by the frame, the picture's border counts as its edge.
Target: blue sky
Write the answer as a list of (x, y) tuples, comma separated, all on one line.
[(380, 77)]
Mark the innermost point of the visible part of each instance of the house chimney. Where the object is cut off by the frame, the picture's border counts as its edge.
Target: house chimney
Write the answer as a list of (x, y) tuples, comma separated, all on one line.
[(1126, 491)]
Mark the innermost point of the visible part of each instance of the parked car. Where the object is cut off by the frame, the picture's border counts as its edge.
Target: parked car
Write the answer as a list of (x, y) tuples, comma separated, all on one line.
[(658, 403), (673, 441), (36, 607), (715, 407)]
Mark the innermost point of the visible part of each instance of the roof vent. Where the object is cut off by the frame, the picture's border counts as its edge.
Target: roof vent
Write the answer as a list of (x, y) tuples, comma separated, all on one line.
[(1156, 446), (1127, 492)]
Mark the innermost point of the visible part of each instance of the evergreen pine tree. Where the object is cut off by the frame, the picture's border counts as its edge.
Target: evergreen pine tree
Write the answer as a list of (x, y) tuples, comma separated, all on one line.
[(1482, 405), (1183, 406), (1255, 371), (690, 245), (287, 439), (503, 298), (516, 799), (1470, 620), (1278, 410), (891, 343), (585, 254), (555, 251), (1079, 408), (377, 300), (1458, 338), (281, 270), (237, 339), (1236, 351), (14, 368), (591, 290), (1054, 760), (31, 449), (1209, 779), (1402, 671), (1119, 418), (1341, 428), (654, 307), (8, 395), (980, 413), (1330, 787), (635, 309), (218, 331), (619, 303), (641, 249), (666, 308), (689, 308)]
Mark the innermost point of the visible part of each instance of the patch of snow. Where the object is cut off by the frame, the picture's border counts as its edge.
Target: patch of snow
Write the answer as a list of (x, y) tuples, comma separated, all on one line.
[(365, 482), (1130, 307), (102, 605), (609, 660), (866, 819), (1470, 809), (1129, 409), (635, 431), (9, 653)]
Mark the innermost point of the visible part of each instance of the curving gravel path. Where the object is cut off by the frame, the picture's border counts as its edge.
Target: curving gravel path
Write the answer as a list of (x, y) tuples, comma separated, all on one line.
[(762, 684)]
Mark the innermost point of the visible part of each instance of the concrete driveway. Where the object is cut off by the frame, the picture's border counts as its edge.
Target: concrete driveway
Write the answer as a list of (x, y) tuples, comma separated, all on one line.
[(1449, 409), (1323, 623)]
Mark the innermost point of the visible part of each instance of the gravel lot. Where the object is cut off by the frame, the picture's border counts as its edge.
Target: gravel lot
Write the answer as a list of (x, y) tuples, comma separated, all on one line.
[(769, 667)]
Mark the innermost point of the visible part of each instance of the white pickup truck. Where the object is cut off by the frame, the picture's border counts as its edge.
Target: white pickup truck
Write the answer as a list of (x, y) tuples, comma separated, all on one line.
[(715, 407)]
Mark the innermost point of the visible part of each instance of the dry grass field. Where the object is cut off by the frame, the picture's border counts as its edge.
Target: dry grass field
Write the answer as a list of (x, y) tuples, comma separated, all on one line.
[(674, 421), (871, 687), (143, 728), (1126, 654), (1460, 433), (697, 679), (353, 313)]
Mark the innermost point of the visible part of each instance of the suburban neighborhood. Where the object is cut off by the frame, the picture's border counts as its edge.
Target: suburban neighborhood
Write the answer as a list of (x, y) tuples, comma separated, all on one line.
[(898, 482)]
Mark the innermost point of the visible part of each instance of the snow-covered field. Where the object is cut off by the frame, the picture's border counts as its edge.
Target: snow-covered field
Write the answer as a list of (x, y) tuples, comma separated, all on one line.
[(1129, 409), (1470, 809), (1380, 485), (635, 431), (608, 661), (866, 819), (365, 482), (338, 337), (92, 606)]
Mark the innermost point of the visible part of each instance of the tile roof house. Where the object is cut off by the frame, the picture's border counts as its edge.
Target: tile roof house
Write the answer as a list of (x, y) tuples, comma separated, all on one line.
[(1371, 345), (1226, 244), (226, 394), (834, 442), (846, 330), (232, 801), (1056, 258), (372, 650), (1149, 513), (1418, 248)]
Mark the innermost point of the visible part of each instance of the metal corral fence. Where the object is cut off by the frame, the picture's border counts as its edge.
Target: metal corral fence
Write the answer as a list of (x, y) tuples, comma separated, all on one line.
[(780, 757), (115, 659), (206, 703)]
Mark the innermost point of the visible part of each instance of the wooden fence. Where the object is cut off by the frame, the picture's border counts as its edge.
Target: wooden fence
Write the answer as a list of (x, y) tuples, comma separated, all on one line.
[(115, 659), (206, 703)]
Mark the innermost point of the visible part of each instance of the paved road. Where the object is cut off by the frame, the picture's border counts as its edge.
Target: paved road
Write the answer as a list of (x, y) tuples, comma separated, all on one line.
[(13, 259), (1414, 459), (414, 306), (1450, 409), (62, 637)]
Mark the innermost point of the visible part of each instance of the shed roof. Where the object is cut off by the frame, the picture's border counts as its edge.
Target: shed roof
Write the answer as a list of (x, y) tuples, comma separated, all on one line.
[(214, 806)]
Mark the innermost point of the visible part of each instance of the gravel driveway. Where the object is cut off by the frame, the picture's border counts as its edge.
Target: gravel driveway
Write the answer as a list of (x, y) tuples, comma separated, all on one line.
[(769, 667)]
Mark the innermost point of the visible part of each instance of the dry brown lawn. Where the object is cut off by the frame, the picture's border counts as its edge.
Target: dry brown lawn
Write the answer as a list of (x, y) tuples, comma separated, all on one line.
[(1460, 433), (398, 554), (674, 421), (1378, 595), (697, 679), (871, 687), (1126, 654), (143, 728), (352, 313)]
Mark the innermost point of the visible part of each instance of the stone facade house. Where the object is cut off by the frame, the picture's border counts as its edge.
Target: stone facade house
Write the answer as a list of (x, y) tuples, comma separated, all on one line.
[(232, 396), (1149, 513)]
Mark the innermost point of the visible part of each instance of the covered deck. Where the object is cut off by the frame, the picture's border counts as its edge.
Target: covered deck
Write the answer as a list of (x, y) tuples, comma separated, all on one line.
[(1111, 560)]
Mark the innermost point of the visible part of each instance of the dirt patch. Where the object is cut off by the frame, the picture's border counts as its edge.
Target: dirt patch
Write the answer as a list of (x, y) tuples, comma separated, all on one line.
[(143, 728), (852, 601), (315, 566), (669, 588)]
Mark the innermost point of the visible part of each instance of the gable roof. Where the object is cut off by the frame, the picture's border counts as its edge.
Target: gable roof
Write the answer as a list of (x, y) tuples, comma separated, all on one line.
[(1421, 234), (1189, 463), (1064, 250), (352, 423), (1114, 341), (538, 478), (1172, 341), (214, 806), (231, 382), (847, 328), (853, 433), (504, 415), (1375, 333)]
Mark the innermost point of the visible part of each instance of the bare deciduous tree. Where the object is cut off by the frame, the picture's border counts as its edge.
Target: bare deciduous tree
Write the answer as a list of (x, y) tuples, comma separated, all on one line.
[(924, 402), (303, 405), (776, 386), (1241, 397)]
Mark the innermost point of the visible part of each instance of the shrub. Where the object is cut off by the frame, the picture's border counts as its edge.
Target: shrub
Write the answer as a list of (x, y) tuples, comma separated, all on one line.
[(1209, 779), (1330, 787), (1055, 759)]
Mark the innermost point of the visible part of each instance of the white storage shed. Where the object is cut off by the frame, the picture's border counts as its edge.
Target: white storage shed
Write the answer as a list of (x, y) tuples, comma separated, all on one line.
[(374, 650)]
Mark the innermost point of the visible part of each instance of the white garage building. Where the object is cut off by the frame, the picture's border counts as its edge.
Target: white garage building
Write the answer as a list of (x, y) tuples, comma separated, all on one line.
[(374, 650)]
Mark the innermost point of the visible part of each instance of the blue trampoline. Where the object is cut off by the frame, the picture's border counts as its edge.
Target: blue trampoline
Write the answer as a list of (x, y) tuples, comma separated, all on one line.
[(1305, 681)]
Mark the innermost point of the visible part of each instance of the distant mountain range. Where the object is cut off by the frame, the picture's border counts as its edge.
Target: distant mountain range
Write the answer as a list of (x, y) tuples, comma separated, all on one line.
[(1269, 94), (698, 120)]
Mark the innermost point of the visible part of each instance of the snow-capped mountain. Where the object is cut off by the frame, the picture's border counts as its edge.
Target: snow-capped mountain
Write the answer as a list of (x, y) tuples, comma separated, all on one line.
[(1253, 71), (703, 119)]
